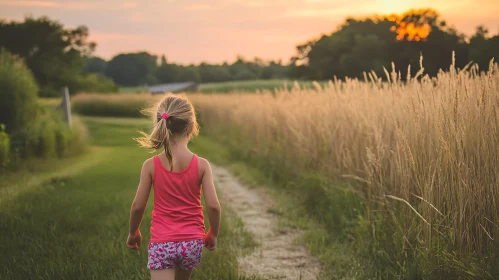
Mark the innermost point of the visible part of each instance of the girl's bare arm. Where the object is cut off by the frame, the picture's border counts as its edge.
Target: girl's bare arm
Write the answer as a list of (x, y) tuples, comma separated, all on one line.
[(140, 202), (211, 199)]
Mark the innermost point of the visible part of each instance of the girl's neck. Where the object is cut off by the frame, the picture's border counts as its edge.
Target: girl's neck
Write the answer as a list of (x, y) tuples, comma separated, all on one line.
[(179, 144)]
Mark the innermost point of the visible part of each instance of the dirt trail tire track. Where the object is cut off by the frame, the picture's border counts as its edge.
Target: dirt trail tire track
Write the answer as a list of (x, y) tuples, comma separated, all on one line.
[(277, 256)]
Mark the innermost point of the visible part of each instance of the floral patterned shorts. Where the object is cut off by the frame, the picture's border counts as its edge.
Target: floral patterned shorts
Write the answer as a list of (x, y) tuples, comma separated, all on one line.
[(183, 254)]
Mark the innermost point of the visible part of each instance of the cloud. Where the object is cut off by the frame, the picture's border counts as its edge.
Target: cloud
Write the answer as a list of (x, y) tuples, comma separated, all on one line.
[(107, 42), (328, 9), (293, 12), (259, 3), (10, 19), (225, 28), (106, 36), (138, 18), (71, 5), (254, 3), (29, 4), (199, 7), (129, 5), (80, 5)]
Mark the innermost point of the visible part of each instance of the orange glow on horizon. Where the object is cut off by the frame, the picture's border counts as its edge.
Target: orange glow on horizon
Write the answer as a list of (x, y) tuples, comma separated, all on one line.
[(413, 25), (412, 31), (197, 31)]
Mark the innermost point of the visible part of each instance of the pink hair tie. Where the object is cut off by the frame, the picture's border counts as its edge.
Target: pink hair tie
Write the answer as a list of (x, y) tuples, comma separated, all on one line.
[(165, 116)]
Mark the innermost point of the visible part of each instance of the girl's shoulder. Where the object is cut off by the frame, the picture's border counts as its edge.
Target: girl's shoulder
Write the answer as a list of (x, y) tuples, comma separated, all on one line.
[(203, 166), (150, 161), (148, 165), (203, 163)]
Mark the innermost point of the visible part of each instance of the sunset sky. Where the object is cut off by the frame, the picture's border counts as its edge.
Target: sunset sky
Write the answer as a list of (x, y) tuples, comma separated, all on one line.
[(191, 31)]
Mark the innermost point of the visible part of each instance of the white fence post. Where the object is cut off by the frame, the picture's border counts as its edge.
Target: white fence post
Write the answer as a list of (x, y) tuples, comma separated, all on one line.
[(66, 106)]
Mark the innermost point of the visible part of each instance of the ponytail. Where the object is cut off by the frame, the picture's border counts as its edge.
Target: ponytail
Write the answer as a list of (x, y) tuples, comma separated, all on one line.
[(172, 116), (166, 142)]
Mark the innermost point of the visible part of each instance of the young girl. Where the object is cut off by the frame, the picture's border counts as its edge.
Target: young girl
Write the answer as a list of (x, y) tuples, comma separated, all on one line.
[(177, 175)]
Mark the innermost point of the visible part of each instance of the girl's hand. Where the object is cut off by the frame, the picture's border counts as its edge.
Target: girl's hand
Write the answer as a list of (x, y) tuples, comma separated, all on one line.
[(134, 240), (210, 241)]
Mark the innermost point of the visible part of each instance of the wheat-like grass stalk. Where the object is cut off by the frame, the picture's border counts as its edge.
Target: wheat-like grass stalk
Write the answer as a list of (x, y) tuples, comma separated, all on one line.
[(434, 139)]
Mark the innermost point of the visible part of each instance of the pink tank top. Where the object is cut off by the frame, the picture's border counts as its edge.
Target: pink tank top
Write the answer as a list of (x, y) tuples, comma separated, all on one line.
[(178, 213)]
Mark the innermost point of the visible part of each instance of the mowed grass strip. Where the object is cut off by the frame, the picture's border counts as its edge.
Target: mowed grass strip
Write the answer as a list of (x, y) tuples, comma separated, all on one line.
[(41, 171), (75, 226), (255, 85), (230, 86)]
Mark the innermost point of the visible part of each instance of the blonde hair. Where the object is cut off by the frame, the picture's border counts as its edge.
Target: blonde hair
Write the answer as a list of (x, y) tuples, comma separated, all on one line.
[(181, 121)]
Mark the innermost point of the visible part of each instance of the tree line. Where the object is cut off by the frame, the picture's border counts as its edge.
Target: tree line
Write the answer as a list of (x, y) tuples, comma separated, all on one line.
[(60, 56), (137, 69), (361, 45)]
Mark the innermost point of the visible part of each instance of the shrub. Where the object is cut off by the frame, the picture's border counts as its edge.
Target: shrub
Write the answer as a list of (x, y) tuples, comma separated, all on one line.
[(18, 92), (35, 131), (48, 91), (93, 83), (47, 136), (70, 141), (4, 146)]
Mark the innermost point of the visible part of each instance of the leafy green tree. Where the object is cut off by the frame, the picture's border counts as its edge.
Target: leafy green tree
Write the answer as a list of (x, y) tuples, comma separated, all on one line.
[(483, 47), (166, 73), (214, 73), (438, 46), (373, 43), (95, 65), (52, 52), (246, 70), (245, 74), (208, 73), (359, 45), (274, 70), (95, 82), (187, 74), (132, 69)]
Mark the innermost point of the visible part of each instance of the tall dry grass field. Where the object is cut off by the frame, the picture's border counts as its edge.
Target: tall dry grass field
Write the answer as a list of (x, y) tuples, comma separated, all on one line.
[(422, 154)]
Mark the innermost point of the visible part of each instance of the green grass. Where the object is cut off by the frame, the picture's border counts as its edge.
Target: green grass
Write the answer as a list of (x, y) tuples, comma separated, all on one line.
[(49, 102), (139, 89), (36, 172), (225, 87), (252, 86), (73, 221)]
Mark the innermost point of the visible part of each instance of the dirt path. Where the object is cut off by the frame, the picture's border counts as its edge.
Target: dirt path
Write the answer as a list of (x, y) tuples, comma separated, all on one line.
[(277, 257)]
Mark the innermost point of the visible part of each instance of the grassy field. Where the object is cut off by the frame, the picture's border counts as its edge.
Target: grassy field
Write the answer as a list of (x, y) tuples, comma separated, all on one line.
[(69, 219), (246, 86), (139, 89), (50, 102), (254, 86), (405, 172), (130, 104), (136, 98)]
